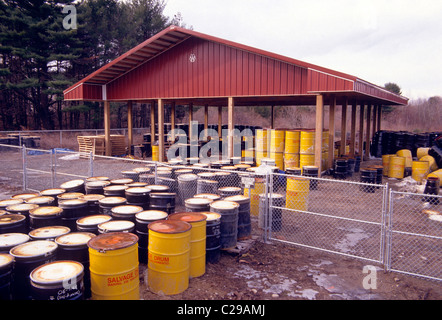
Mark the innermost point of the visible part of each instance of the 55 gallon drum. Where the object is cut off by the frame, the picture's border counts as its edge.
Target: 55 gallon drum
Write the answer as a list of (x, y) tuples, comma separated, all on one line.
[(48, 233), (13, 223), (244, 222), (58, 280), (114, 266), (27, 257), (90, 223), (116, 226), (169, 256), (142, 220), (229, 221), (197, 240), (10, 240), (44, 217), (213, 236), (53, 192), (6, 270)]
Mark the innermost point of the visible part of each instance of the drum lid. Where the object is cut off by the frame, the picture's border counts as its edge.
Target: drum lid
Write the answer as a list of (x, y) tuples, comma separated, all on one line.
[(92, 197), (112, 241), (187, 177), (163, 195), (198, 201), (169, 226), (127, 209), (116, 187), (40, 200), (138, 190), (141, 170), (70, 195), (22, 207), (188, 216), (122, 181), (116, 225), (224, 205), (56, 272), (74, 238), (34, 249), (5, 259), (52, 192), (212, 216), (24, 196), (151, 215), (157, 187), (98, 178), (230, 189), (93, 220), (9, 240), (11, 218), (72, 203), (112, 200), (206, 174), (49, 232), (9, 202), (72, 184), (46, 211), (238, 198), (211, 196), (97, 183)]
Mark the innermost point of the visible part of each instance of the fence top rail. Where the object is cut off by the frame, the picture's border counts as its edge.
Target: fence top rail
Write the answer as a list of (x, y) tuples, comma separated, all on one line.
[(69, 130), (413, 194), (384, 185)]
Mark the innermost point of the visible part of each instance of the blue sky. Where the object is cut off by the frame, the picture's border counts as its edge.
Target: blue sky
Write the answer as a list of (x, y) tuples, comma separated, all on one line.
[(377, 40)]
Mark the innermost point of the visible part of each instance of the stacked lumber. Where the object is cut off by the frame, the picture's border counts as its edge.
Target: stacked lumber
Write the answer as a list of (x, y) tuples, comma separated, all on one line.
[(119, 145)]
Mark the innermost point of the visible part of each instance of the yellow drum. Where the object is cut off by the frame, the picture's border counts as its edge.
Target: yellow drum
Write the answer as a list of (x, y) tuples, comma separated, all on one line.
[(325, 140), (307, 142), (279, 159), (396, 167), (407, 155), (169, 256), (155, 153), (431, 161), (298, 189), (306, 160), (261, 140), (436, 174), (277, 138), (113, 263), (291, 160), (255, 191), (292, 140), (197, 240), (419, 170), (420, 152), (386, 163)]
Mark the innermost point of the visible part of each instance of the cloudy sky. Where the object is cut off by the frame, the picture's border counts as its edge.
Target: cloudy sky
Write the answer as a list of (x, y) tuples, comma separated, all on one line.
[(378, 41)]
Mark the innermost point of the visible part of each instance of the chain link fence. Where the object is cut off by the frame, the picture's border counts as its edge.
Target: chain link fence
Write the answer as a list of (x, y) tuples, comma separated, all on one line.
[(415, 234), (338, 216), (361, 220)]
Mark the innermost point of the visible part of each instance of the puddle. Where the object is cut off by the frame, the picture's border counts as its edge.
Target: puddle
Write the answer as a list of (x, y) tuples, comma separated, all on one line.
[(351, 239)]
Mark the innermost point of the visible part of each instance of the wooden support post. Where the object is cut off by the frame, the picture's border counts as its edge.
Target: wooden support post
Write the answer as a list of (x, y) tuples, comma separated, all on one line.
[(318, 133), (172, 121), (375, 118), (129, 126), (152, 122), (231, 125), (379, 118), (107, 141), (367, 134), (160, 130), (190, 120), (272, 117), (343, 127), (353, 129), (206, 121), (361, 131), (331, 132), (220, 122)]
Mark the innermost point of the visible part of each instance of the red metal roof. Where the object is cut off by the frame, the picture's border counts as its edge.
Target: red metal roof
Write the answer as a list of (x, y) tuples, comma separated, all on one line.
[(183, 64)]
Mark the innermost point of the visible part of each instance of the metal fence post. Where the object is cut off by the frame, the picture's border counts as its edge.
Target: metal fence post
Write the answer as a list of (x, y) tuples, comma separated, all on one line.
[(25, 175), (387, 262), (91, 164), (266, 210), (53, 168), (156, 163)]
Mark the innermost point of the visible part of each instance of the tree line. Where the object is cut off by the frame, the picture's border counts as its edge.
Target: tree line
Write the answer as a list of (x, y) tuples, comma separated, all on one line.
[(40, 56)]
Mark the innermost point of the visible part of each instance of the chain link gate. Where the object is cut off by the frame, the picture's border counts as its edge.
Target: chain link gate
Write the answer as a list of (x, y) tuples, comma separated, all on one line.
[(338, 216), (414, 244)]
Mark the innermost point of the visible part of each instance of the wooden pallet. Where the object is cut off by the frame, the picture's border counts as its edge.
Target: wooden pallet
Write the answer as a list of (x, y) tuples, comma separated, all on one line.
[(87, 144)]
